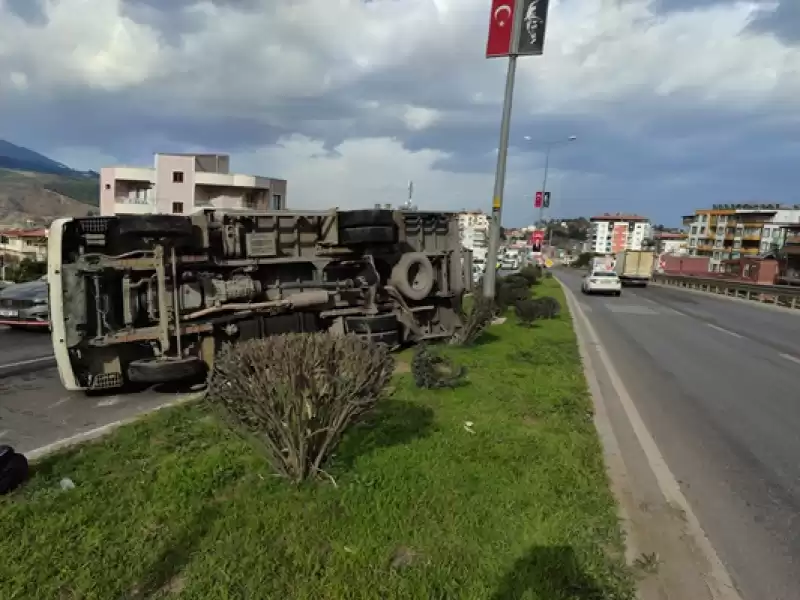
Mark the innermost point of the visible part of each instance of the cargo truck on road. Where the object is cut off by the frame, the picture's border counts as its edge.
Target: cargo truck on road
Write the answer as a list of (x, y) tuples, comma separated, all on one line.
[(635, 267), (150, 299)]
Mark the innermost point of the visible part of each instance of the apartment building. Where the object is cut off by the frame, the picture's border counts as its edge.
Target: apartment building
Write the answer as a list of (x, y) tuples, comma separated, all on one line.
[(667, 242), (18, 244), (474, 228), (731, 231), (612, 233), (185, 183)]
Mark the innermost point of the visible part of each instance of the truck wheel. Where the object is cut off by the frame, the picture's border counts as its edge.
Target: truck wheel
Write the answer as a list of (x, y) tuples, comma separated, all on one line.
[(413, 276), (154, 370), (365, 218), (154, 225), (378, 234), (371, 325)]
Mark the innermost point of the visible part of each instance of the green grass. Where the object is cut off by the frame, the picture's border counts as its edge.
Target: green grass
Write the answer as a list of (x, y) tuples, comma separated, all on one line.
[(176, 506)]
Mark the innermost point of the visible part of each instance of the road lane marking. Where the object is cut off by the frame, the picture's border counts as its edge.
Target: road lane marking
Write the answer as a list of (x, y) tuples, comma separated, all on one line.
[(794, 359), (720, 583), (29, 361), (723, 330)]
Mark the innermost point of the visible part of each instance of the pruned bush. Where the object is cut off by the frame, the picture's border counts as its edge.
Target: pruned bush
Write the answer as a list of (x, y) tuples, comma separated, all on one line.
[(297, 393), (431, 370), (531, 273), (511, 290), (550, 307), (476, 320), (528, 311)]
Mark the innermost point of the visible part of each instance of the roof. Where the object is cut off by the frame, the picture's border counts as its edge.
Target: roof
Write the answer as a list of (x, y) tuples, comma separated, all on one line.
[(668, 235), (618, 217), (24, 233)]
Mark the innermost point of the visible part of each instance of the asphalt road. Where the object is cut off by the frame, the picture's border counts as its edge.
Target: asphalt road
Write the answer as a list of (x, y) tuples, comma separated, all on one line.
[(35, 410), (717, 383), (22, 351)]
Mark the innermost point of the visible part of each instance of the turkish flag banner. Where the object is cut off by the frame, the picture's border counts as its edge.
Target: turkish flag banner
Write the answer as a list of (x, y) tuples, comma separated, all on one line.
[(537, 202), (501, 23)]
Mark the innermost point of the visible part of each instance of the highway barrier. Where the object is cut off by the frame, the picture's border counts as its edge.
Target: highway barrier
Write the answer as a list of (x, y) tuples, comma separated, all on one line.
[(787, 296)]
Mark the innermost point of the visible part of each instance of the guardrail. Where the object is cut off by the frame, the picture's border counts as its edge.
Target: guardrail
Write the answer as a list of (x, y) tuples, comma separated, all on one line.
[(780, 295)]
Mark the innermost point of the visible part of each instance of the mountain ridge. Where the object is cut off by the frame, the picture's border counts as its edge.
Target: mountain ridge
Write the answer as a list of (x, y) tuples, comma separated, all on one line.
[(35, 189)]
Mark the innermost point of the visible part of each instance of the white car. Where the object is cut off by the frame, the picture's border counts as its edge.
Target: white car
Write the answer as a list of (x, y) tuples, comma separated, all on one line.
[(602, 282)]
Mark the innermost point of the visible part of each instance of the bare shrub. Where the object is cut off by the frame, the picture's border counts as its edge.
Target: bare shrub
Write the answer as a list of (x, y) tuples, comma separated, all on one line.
[(476, 320), (431, 370), (297, 393)]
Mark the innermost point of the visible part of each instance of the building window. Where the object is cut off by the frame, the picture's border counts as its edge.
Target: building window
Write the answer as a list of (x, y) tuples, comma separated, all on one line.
[(177, 177), (177, 207), (276, 202)]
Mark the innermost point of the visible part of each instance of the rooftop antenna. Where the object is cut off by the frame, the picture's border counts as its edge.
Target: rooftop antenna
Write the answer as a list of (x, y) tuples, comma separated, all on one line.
[(409, 201)]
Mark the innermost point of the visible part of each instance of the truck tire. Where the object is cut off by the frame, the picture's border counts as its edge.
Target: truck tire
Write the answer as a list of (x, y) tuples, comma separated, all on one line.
[(371, 325), (154, 371), (413, 276), (13, 472), (378, 234), (365, 218), (154, 225)]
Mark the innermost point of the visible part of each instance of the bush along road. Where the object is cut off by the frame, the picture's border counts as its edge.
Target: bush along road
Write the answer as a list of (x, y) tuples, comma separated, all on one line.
[(473, 472)]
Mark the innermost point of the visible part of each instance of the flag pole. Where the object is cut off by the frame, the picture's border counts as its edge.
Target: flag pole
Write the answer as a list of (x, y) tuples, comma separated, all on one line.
[(490, 274)]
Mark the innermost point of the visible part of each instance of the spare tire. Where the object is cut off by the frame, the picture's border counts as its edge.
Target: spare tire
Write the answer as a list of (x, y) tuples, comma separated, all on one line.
[(413, 276), (166, 370), (365, 218)]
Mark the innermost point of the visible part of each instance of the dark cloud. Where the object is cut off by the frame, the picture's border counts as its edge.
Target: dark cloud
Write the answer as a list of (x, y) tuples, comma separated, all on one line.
[(30, 11), (784, 21)]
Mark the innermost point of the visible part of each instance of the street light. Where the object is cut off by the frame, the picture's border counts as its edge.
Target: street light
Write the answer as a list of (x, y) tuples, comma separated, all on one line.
[(549, 146)]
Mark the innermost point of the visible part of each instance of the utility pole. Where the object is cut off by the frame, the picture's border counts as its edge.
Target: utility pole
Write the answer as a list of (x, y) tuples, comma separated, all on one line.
[(524, 37)]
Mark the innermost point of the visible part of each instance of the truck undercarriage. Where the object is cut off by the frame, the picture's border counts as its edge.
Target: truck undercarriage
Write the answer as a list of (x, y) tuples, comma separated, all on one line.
[(151, 298)]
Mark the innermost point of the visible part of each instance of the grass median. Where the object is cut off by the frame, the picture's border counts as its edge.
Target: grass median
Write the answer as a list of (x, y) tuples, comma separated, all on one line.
[(424, 506)]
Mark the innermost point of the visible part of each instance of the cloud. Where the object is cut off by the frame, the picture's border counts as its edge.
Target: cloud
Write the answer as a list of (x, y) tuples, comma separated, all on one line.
[(323, 91)]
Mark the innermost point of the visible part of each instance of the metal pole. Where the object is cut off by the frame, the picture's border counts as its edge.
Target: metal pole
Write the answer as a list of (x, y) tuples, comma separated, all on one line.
[(490, 274)]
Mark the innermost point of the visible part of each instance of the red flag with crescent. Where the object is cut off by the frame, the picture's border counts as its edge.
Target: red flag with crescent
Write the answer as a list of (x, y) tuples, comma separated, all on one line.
[(501, 21)]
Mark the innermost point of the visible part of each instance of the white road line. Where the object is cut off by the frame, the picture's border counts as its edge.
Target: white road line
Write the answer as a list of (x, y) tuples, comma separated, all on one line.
[(103, 430), (794, 359), (720, 583), (723, 330), (30, 361)]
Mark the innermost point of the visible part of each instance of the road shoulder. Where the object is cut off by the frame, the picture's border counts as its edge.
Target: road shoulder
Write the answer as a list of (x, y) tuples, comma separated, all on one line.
[(665, 541)]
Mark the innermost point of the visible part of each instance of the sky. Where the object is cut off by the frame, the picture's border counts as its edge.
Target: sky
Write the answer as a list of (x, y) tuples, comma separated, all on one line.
[(675, 104)]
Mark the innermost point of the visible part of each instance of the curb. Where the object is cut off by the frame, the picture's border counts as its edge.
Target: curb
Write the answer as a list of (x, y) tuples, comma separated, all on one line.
[(42, 452)]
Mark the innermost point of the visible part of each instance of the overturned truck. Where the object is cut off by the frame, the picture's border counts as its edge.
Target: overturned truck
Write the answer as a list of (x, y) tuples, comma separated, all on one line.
[(151, 298)]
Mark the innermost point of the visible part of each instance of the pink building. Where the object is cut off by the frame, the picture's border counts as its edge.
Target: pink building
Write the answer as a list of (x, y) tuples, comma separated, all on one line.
[(184, 183)]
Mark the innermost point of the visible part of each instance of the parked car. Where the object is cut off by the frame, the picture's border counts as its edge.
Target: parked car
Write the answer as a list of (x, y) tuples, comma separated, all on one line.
[(25, 305), (602, 282)]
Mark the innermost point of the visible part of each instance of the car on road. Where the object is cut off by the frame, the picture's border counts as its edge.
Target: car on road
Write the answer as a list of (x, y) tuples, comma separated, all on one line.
[(602, 282), (25, 305)]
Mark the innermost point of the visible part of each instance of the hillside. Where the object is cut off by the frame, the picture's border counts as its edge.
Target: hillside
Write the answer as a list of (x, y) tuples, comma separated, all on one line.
[(30, 199), (35, 189)]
